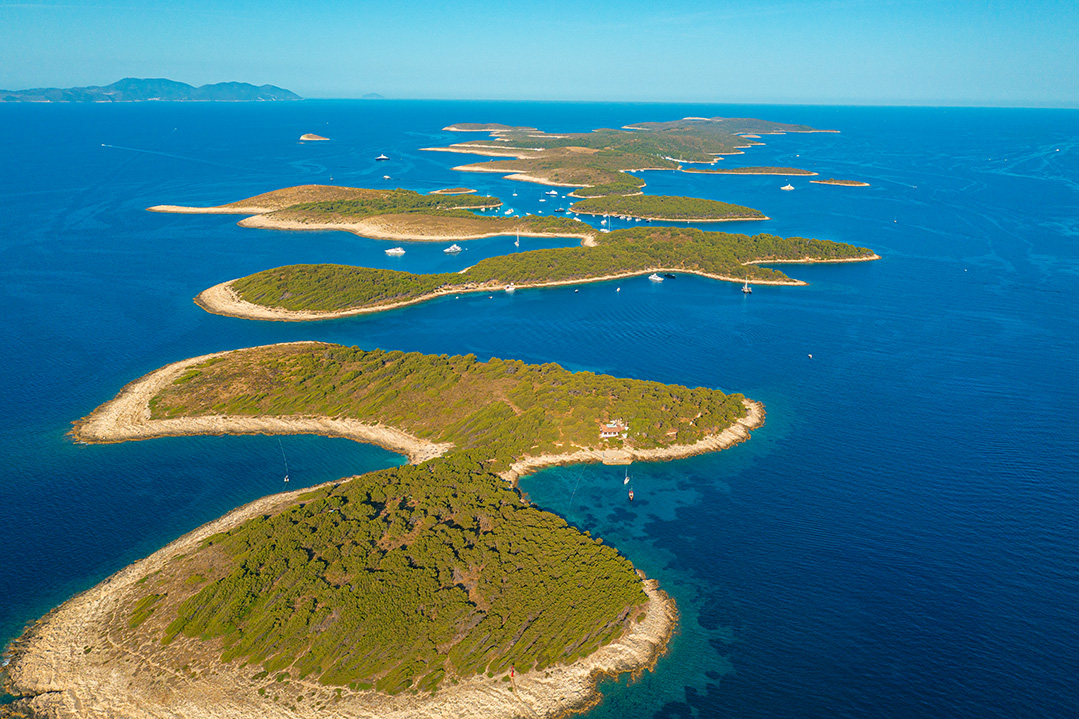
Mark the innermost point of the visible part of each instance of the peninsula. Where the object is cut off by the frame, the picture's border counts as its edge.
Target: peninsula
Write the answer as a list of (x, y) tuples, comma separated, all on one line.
[(386, 214), (312, 292), (841, 183), (783, 171), (134, 89), (601, 161), (666, 208), (418, 590)]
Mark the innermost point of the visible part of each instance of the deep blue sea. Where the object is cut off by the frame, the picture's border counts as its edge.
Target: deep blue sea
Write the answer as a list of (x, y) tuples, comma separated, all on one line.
[(901, 539)]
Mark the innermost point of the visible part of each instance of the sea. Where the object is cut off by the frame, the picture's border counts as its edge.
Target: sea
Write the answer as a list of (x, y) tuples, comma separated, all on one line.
[(900, 539)]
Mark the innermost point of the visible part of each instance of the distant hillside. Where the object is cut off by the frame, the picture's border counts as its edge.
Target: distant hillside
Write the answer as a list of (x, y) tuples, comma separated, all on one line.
[(133, 89), (372, 96)]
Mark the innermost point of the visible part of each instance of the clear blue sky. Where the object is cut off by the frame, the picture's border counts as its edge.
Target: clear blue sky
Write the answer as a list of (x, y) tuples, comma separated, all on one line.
[(933, 52)]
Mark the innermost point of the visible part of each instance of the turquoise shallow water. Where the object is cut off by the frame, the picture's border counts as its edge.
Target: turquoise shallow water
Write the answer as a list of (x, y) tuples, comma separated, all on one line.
[(899, 540)]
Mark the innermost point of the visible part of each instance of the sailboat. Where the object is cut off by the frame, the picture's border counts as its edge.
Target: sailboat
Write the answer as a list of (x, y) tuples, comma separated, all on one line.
[(631, 495), (283, 458), (626, 480), (517, 242), (746, 288)]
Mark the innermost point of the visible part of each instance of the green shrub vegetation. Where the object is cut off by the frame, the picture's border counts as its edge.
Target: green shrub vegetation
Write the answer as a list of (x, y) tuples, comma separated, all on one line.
[(386, 202), (328, 288), (404, 578), (143, 609), (400, 578), (666, 207), (507, 409)]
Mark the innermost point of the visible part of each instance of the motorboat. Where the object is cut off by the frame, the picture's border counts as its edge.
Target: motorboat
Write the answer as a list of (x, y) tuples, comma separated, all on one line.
[(452, 249), (654, 277), (396, 251)]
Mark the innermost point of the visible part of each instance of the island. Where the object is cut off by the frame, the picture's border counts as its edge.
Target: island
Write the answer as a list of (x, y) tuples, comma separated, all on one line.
[(841, 183), (452, 191), (666, 208), (783, 171), (601, 161), (312, 137), (134, 89), (326, 291), (386, 214), (432, 588)]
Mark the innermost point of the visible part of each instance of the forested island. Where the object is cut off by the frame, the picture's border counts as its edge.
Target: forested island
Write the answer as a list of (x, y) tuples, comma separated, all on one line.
[(386, 214), (307, 292), (599, 162), (842, 183), (666, 208), (426, 588), (791, 171)]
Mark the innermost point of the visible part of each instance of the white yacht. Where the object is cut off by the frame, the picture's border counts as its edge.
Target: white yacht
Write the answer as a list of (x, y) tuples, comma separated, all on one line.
[(655, 278), (396, 251), (788, 186), (452, 249), (510, 288), (381, 158)]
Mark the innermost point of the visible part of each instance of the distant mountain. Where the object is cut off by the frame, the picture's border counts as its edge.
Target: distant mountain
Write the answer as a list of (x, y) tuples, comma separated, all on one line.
[(133, 89), (372, 96)]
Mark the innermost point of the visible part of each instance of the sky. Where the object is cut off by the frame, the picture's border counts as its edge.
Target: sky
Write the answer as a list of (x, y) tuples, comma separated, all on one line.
[(891, 52)]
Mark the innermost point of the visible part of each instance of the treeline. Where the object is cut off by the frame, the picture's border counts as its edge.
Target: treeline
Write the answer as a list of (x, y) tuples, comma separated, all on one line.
[(507, 409), (666, 207), (327, 288), (402, 578)]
